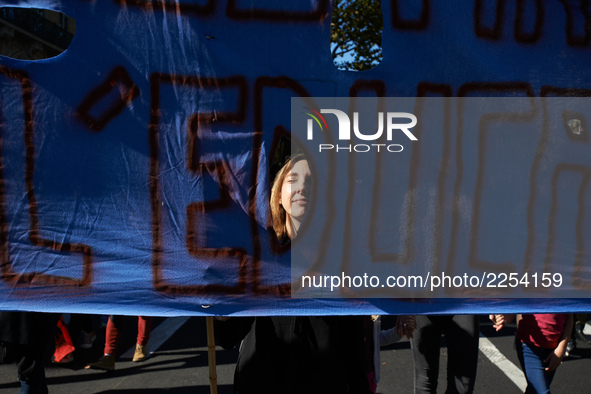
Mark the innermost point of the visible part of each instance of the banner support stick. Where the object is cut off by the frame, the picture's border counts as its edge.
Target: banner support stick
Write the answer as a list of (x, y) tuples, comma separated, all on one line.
[(213, 379)]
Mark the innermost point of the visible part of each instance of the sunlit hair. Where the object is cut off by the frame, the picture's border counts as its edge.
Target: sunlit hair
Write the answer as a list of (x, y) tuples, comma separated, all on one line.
[(277, 211)]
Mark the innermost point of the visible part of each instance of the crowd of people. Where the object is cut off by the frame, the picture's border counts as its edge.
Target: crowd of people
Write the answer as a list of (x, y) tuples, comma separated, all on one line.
[(26, 336), (311, 354), (317, 354)]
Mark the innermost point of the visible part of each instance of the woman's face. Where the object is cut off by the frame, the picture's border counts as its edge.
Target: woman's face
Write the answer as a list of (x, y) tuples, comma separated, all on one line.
[(295, 192)]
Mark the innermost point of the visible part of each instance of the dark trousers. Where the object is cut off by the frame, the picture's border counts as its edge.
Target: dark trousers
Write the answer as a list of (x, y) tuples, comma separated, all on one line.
[(29, 363), (26, 336), (461, 335)]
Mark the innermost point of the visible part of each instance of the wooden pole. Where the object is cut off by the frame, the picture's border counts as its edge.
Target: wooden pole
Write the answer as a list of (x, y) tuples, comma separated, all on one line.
[(213, 378)]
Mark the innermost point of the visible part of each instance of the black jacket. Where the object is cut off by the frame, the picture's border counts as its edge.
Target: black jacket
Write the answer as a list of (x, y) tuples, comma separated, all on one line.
[(27, 328), (299, 354)]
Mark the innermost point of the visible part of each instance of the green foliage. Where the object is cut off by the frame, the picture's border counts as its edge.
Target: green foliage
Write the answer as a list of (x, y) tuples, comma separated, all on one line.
[(356, 34)]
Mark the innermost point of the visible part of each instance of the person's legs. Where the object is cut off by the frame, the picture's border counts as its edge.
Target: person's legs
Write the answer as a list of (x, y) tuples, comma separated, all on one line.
[(80, 322), (531, 359), (31, 372), (461, 334), (580, 320), (113, 334), (425, 350), (144, 327), (30, 358), (81, 328), (64, 347)]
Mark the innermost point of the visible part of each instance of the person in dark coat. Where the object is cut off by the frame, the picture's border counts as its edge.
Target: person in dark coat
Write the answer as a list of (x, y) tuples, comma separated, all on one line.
[(24, 339), (298, 354)]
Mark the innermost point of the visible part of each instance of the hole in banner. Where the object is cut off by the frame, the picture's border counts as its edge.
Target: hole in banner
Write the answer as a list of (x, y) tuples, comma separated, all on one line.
[(34, 34), (356, 34)]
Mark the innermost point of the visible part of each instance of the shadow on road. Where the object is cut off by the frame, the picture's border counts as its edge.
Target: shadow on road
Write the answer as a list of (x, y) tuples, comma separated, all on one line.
[(222, 389)]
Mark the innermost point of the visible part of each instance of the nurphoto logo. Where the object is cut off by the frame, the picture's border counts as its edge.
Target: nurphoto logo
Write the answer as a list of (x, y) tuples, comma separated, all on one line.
[(394, 122)]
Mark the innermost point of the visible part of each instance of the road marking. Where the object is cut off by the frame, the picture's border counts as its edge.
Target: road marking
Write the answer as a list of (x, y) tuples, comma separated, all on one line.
[(497, 358), (160, 334)]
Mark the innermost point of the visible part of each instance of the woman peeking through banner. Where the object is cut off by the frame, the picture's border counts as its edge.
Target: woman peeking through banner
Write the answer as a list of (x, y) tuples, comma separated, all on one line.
[(290, 196), (298, 354)]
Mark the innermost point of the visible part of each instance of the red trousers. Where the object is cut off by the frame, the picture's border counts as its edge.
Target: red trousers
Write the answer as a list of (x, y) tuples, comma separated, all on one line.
[(144, 326)]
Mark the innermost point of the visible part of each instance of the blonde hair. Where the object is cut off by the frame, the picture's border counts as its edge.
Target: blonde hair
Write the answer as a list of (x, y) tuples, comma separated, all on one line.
[(277, 211)]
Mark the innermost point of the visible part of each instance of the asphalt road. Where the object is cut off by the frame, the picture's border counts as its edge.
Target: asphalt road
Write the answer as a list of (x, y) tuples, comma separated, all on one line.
[(179, 365)]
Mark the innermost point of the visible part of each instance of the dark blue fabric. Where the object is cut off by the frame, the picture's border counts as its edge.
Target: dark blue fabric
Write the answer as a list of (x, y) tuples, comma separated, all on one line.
[(132, 163)]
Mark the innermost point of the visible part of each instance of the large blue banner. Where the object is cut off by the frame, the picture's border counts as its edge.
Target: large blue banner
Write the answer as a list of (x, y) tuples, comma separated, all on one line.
[(135, 167)]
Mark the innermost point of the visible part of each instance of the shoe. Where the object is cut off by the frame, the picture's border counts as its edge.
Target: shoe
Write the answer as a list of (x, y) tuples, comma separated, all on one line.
[(105, 363), (580, 335), (68, 358), (87, 339), (140, 354), (570, 346), (64, 352)]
